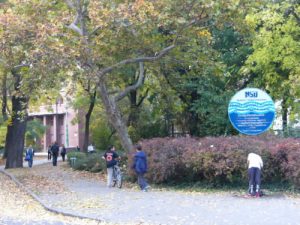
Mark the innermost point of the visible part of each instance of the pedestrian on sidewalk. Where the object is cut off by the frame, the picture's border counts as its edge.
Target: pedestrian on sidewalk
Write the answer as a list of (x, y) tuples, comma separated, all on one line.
[(29, 156), (63, 152), (49, 152), (55, 151), (255, 164), (140, 167), (111, 158)]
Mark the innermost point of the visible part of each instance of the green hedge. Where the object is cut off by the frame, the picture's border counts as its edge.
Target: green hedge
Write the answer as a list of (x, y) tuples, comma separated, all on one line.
[(89, 162)]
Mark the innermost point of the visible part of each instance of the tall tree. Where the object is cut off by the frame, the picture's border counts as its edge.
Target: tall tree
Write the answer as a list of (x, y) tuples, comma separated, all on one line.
[(84, 100), (276, 52), (102, 27), (26, 57)]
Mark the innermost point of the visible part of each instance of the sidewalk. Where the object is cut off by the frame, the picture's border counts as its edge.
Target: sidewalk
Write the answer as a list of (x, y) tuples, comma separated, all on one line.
[(86, 195)]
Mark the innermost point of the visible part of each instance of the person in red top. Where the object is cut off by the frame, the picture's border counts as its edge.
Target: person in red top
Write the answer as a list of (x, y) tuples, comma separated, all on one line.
[(111, 158)]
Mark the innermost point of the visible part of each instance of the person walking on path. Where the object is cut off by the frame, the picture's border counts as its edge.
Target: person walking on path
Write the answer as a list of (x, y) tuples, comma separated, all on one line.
[(29, 156), (111, 158), (63, 152), (140, 167), (55, 151), (255, 164), (49, 152)]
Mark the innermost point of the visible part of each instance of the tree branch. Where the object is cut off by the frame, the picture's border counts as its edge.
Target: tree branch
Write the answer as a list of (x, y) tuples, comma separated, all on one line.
[(21, 66), (142, 98), (136, 60), (132, 87), (95, 31), (157, 55), (73, 26), (70, 4)]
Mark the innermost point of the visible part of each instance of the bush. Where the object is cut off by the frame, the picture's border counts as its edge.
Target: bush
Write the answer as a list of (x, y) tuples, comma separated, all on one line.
[(222, 160), (89, 162), (288, 156)]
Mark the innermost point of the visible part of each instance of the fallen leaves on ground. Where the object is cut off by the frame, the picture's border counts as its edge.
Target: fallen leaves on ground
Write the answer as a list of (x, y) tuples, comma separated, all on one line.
[(2, 161), (16, 204), (39, 182)]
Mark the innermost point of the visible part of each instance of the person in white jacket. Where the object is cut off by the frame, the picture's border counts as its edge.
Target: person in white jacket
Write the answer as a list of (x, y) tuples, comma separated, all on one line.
[(255, 164), (91, 149)]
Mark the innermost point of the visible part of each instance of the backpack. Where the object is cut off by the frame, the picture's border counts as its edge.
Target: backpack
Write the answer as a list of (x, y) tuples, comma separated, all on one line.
[(29, 154)]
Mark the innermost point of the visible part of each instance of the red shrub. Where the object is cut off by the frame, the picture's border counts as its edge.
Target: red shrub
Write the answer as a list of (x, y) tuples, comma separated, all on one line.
[(220, 160)]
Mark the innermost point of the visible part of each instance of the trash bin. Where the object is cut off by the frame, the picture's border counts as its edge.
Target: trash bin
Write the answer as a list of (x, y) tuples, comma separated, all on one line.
[(72, 160)]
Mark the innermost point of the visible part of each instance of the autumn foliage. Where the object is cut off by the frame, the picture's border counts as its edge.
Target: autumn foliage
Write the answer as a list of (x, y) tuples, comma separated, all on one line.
[(221, 160)]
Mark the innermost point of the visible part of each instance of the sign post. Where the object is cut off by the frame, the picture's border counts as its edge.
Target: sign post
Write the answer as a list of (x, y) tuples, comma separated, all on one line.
[(251, 111)]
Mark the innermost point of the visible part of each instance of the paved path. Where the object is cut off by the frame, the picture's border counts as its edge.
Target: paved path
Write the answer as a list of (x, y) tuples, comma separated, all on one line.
[(90, 197), (158, 207), (9, 221), (36, 162)]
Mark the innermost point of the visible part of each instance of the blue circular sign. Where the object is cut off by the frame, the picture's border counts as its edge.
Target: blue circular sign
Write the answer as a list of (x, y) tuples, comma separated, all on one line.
[(251, 111)]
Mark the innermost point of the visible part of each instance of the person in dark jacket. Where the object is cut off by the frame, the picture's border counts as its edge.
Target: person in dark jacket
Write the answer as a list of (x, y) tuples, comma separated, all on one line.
[(111, 158), (63, 152), (49, 152), (140, 167), (29, 156), (55, 151)]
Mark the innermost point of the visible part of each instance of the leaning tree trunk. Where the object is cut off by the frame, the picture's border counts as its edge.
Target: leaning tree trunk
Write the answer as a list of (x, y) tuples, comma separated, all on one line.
[(115, 118), (14, 143)]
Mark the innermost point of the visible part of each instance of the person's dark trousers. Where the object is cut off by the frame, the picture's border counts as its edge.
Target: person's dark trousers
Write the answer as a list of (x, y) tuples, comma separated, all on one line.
[(254, 179), (142, 181), (49, 155), (63, 157), (54, 160), (30, 163)]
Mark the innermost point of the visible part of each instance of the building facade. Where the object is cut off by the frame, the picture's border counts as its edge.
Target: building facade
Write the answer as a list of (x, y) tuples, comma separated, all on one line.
[(61, 126)]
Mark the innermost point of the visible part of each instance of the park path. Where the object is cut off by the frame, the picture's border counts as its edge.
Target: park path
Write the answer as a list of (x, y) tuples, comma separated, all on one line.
[(86, 195)]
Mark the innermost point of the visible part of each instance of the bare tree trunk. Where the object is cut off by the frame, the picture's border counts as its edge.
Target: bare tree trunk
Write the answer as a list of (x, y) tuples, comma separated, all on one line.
[(4, 97), (14, 143), (87, 121), (132, 117), (115, 117), (4, 105)]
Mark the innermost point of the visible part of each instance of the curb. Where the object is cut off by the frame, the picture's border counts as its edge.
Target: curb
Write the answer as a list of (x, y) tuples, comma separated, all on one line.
[(35, 197)]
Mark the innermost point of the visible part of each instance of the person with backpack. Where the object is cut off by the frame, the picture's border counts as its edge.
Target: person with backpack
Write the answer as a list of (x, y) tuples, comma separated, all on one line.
[(29, 156), (55, 151), (63, 152), (111, 158), (140, 167), (255, 164)]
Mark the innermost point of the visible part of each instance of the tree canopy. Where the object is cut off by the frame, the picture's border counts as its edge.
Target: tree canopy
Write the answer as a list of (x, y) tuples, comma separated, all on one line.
[(155, 68)]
